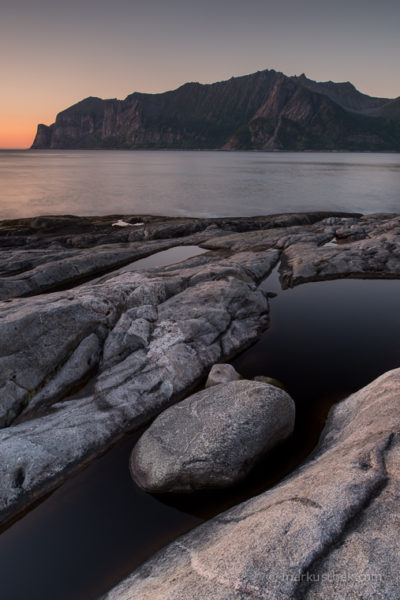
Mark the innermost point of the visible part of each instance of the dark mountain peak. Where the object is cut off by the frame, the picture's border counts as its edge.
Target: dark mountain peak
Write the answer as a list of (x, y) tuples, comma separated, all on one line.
[(265, 110), (390, 110), (89, 108), (90, 103), (190, 85), (344, 93)]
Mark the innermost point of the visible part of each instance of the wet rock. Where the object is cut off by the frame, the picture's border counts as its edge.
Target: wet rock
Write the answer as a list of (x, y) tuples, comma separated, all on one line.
[(330, 530), (213, 438), (222, 374)]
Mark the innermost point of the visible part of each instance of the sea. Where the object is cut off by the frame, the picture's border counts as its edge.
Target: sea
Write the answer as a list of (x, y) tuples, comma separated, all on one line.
[(322, 342), (195, 183)]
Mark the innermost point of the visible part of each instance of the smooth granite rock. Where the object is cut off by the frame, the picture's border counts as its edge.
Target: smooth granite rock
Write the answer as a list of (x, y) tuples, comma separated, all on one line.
[(328, 531), (50, 253), (137, 329), (364, 246), (79, 366), (67, 269), (367, 248), (124, 334), (213, 438), (222, 373)]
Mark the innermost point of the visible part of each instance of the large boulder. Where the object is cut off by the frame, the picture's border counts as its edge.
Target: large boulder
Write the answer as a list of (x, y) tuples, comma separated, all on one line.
[(213, 438), (331, 530)]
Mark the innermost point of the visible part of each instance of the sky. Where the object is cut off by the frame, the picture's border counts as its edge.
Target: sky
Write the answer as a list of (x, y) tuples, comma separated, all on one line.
[(54, 53)]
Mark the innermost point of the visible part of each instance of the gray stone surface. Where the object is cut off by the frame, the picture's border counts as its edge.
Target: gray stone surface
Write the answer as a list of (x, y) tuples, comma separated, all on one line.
[(330, 530), (63, 251), (140, 328), (49, 270), (137, 329), (367, 246), (77, 368), (213, 438), (222, 373)]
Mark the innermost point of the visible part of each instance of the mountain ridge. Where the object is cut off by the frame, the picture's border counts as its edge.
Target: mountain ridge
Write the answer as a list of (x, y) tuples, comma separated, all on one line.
[(266, 110)]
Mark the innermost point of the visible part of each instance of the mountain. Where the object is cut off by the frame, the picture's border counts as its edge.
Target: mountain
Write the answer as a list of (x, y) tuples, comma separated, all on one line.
[(263, 111)]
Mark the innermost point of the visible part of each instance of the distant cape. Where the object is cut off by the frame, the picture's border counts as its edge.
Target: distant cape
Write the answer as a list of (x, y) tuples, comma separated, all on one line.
[(263, 111)]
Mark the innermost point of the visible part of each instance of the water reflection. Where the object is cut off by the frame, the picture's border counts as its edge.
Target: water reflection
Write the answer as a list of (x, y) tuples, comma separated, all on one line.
[(325, 341), (195, 183)]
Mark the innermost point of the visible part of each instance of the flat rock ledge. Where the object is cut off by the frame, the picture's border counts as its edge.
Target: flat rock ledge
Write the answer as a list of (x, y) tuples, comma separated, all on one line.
[(213, 438), (330, 530)]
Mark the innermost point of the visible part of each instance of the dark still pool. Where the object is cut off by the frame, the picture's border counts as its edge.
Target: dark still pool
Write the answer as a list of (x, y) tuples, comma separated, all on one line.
[(325, 341)]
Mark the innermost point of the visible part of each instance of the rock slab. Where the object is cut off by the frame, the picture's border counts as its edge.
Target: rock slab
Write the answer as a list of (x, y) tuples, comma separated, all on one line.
[(213, 438), (137, 330), (330, 530)]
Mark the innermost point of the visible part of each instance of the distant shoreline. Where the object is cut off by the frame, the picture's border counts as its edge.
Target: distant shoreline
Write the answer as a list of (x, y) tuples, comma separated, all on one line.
[(250, 151)]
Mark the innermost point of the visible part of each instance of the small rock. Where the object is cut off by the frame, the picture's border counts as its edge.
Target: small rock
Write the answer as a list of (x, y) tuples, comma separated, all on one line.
[(270, 380), (121, 223), (213, 438), (222, 373)]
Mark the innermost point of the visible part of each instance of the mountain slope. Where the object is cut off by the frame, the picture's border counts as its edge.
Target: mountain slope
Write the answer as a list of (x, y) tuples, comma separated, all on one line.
[(263, 111)]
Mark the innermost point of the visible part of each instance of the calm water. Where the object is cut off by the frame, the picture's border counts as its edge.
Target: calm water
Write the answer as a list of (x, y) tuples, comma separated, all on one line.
[(178, 183), (325, 341)]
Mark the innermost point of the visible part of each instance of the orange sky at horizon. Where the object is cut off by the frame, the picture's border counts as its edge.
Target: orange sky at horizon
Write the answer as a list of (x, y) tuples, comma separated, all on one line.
[(18, 134)]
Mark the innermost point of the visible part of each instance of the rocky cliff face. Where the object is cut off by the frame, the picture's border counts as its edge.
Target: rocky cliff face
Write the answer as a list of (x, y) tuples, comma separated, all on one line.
[(262, 111)]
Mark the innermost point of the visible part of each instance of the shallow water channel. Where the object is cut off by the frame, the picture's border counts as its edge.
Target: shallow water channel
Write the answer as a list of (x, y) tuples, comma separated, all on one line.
[(325, 341)]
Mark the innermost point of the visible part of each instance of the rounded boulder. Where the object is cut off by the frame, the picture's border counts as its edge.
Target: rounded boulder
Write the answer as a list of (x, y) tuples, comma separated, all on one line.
[(213, 438)]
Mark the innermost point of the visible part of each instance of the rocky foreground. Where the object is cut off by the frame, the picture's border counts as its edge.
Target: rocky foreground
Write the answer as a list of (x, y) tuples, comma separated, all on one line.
[(329, 531), (91, 347)]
